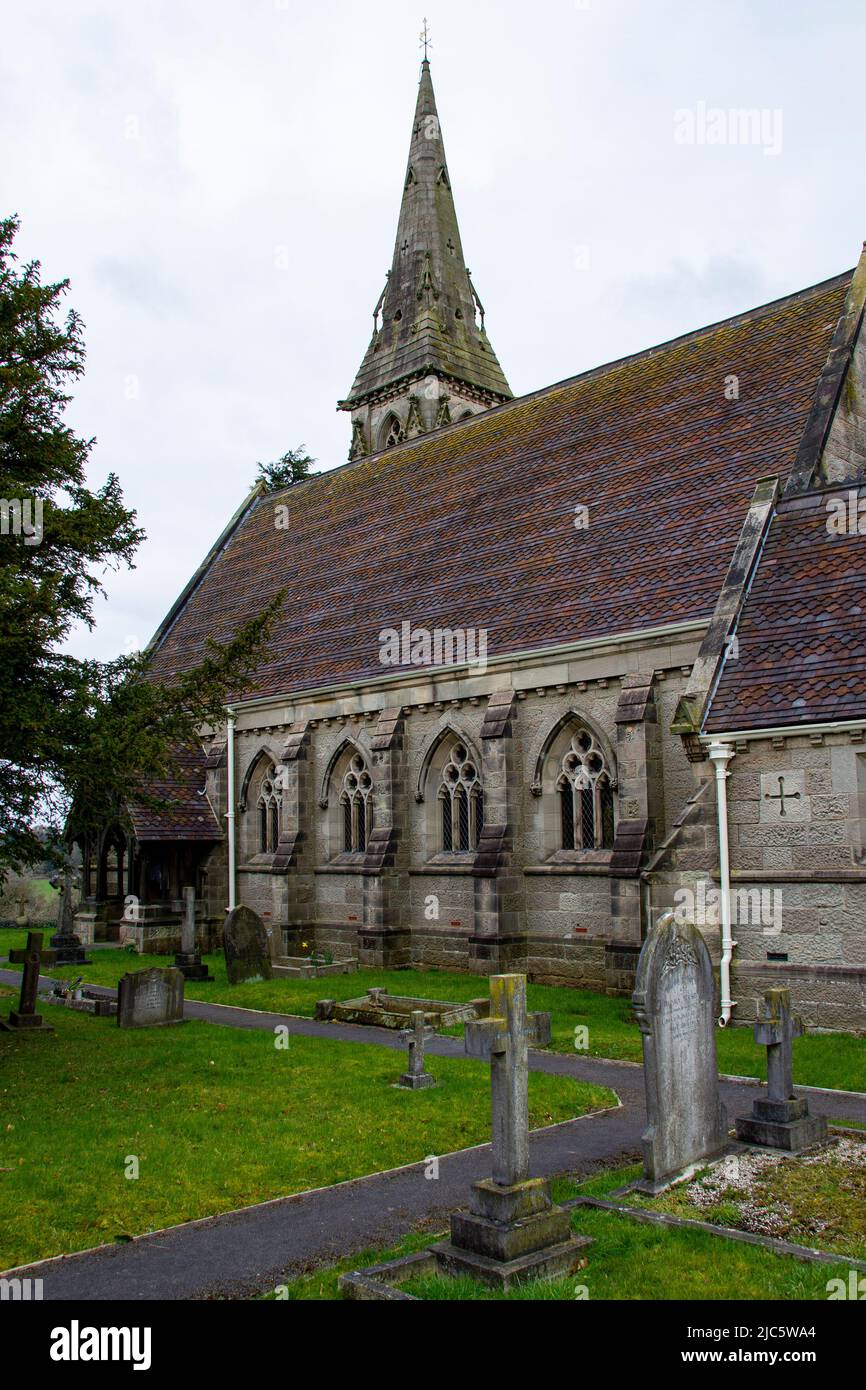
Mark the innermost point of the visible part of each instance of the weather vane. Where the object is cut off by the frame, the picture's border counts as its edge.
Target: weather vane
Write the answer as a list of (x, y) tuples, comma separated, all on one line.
[(426, 41)]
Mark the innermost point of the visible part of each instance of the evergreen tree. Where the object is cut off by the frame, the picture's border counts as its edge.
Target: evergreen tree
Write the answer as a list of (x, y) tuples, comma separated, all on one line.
[(72, 730)]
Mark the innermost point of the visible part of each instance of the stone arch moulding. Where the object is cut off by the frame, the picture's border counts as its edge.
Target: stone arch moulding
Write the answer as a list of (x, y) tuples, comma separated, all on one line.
[(265, 751), (343, 742), (542, 748), (425, 757)]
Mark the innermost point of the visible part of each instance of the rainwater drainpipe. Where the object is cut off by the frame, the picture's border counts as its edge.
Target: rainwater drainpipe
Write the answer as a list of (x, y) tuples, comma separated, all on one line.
[(230, 813), (721, 754)]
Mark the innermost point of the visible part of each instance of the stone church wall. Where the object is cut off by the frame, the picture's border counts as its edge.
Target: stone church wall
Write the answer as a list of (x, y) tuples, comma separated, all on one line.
[(577, 923)]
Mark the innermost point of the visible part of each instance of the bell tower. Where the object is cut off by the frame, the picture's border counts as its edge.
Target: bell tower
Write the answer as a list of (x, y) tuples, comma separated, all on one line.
[(429, 361)]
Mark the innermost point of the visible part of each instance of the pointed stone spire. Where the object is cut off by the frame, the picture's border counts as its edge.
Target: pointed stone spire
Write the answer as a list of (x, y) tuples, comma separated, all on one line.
[(429, 360)]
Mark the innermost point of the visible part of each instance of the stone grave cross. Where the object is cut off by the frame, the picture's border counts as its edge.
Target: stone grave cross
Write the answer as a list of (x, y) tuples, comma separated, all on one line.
[(780, 1120), (503, 1040), (32, 957), (416, 1078), (188, 960), (512, 1230), (776, 1030)]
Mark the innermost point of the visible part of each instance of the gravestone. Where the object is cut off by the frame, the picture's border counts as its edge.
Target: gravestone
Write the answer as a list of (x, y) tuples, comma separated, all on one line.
[(512, 1231), (416, 1078), (245, 941), (674, 1002), (25, 1019), (150, 998), (188, 960), (65, 944), (781, 1120)]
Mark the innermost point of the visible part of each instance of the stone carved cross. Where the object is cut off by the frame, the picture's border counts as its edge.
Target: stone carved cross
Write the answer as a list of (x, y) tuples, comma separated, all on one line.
[(416, 1036), (792, 796), (776, 1030), (187, 931), (503, 1040), (32, 957)]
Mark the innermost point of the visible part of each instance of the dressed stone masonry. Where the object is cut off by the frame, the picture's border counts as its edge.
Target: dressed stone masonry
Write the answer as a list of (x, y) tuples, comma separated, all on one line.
[(674, 1003), (781, 1121), (416, 1078), (512, 1230)]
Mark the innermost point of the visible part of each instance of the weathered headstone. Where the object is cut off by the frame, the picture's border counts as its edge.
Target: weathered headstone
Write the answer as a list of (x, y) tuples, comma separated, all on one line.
[(512, 1230), (781, 1121), (245, 941), (188, 960), (416, 1078), (66, 945), (150, 998), (25, 1019), (674, 1002)]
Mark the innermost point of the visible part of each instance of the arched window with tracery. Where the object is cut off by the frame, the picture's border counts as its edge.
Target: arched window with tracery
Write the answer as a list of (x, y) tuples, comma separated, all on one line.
[(268, 812), (461, 802), (356, 804), (585, 795), (393, 432)]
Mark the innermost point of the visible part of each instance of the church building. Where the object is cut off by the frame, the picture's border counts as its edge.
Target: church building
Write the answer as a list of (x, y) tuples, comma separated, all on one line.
[(548, 666)]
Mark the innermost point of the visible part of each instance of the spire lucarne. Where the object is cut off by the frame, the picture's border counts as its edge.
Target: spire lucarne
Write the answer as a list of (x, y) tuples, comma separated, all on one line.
[(430, 361)]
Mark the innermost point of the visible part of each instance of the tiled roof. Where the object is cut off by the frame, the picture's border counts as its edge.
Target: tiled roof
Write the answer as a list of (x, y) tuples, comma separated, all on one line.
[(474, 526), (801, 639), (184, 812)]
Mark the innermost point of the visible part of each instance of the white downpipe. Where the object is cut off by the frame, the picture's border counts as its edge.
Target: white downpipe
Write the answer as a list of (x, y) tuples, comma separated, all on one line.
[(721, 754), (230, 813)]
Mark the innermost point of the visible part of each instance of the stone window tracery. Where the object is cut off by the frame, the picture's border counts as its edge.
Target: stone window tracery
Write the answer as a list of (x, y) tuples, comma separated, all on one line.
[(268, 812), (394, 432), (585, 795), (461, 803), (356, 802)]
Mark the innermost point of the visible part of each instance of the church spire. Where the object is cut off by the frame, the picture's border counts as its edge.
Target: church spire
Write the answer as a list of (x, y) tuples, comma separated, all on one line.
[(429, 361)]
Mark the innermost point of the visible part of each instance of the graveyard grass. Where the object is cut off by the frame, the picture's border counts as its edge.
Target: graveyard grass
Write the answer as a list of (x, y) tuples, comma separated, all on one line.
[(219, 1118), (832, 1060), (627, 1261), (817, 1199)]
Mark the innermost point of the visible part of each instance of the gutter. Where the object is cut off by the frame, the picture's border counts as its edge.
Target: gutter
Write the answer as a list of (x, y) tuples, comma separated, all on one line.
[(230, 813), (721, 754), (417, 674), (838, 726)]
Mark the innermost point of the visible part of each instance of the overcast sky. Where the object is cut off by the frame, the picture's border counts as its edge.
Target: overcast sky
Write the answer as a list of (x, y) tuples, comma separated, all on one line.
[(221, 181)]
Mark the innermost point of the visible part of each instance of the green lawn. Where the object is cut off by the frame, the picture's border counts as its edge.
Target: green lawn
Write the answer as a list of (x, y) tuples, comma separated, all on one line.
[(835, 1060), (12, 938), (218, 1118), (816, 1199), (628, 1261)]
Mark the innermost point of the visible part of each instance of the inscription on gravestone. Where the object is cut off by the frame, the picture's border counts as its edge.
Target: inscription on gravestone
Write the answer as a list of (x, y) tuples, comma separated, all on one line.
[(245, 942), (150, 999), (674, 1002)]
